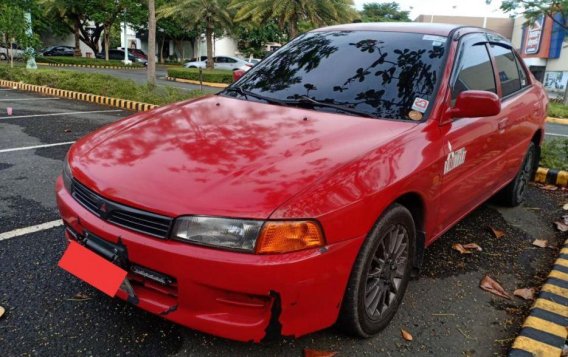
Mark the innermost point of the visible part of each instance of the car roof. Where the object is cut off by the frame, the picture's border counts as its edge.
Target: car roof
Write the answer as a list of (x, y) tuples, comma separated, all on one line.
[(414, 27)]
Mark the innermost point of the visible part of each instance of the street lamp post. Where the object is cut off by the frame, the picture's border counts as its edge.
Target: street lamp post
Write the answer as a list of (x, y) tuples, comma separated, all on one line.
[(126, 60), (31, 64)]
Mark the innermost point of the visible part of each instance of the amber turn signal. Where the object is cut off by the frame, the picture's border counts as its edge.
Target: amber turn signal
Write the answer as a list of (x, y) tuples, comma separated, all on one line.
[(288, 236)]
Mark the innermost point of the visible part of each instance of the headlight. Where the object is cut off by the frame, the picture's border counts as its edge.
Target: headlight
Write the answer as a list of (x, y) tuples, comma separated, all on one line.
[(261, 237), (67, 176)]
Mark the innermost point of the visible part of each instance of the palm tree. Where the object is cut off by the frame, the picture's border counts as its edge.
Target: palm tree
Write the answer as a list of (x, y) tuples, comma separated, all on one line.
[(212, 15), (289, 13), (151, 74)]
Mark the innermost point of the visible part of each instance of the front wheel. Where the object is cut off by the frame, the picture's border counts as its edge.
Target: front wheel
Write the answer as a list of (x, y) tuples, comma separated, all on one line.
[(380, 274), (514, 193)]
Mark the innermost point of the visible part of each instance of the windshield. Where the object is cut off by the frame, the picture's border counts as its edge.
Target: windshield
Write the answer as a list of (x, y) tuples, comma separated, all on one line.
[(389, 75)]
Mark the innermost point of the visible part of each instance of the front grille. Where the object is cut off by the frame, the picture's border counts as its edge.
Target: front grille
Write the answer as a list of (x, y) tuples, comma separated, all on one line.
[(121, 215)]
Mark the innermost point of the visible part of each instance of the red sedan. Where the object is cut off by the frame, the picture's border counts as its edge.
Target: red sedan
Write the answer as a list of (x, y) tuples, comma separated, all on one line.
[(305, 193)]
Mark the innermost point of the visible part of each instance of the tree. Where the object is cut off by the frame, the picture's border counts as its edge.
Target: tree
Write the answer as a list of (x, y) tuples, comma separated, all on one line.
[(13, 28), (251, 39), (210, 15), (151, 43), (383, 12), (71, 14), (289, 13), (533, 9)]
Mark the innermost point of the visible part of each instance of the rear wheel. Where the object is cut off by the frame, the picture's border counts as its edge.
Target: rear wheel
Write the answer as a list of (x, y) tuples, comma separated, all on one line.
[(3, 57), (514, 193), (380, 274)]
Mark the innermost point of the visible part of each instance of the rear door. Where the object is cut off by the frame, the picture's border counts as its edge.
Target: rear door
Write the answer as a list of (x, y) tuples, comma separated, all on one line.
[(472, 145)]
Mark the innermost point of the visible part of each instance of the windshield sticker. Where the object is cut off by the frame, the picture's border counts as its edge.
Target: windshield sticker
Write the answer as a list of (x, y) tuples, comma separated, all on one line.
[(420, 105), (415, 115), (434, 38), (455, 159)]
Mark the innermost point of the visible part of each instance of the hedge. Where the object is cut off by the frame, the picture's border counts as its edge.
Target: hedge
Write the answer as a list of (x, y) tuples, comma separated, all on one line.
[(99, 84), (85, 61), (209, 75)]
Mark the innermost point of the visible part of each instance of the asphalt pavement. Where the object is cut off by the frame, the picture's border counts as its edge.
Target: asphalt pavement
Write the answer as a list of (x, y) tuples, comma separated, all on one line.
[(445, 310)]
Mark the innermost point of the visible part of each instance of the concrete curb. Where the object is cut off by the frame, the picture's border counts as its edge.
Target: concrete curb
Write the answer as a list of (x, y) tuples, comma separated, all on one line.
[(92, 98), (208, 84), (557, 120), (551, 176), (89, 66), (544, 331)]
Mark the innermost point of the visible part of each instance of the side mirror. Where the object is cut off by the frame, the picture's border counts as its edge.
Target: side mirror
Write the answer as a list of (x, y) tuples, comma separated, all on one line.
[(476, 103), (237, 74)]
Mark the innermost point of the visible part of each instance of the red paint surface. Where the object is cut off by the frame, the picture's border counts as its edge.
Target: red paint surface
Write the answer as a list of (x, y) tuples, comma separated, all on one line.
[(226, 157), (91, 268)]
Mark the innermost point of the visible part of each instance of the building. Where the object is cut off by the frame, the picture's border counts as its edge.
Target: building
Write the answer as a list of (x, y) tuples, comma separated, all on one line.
[(541, 47), (501, 25)]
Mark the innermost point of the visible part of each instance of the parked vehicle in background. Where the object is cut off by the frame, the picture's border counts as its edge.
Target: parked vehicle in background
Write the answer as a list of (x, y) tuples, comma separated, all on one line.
[(119, 55), (67, 51), (221, 62), (304, 194), (16, 51)]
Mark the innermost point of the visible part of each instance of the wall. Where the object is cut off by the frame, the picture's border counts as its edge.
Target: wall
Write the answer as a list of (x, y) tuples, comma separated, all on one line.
[(66, 40)]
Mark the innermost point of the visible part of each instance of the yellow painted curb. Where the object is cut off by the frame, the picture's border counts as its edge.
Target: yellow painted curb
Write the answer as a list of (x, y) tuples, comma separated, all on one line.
[(90, 66), (208, 84), (544, 331), (557, 120), (92, 98), (551, 176)]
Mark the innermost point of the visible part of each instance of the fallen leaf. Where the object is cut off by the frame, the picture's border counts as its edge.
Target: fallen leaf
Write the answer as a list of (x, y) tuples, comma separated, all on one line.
[(540, 243), (406, 335), (2, 311), (525, 293), (67, 130), (493, 287), (497, 233), (460, 248), (317, 353), (549, 187), (565, 207), (473, 246), (562, 227), (80, 297)]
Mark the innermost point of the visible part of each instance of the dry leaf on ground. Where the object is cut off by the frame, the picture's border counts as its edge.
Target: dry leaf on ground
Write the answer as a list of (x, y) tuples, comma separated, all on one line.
[(540, 243), (525, 293), (317, 353), (549, 187), (406, 335), (561, 226), (460, 248), (80, 297), (473, 246), (497, 233), (565, 207), (2, 311), (488, 284)]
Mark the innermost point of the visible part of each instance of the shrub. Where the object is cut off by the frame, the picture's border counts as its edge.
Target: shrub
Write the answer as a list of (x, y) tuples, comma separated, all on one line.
[(209, 75), (557, 110), (85, 61), (99, 84)]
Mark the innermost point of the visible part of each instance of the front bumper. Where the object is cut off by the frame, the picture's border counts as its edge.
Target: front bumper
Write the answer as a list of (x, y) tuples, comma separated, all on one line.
[(233, 295)]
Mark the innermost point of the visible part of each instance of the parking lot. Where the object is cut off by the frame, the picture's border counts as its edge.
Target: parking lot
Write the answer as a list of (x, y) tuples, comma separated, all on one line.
[(445, 310)]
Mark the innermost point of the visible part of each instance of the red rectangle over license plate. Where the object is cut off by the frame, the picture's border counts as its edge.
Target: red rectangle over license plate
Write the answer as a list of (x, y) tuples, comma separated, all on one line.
[(93, 269)]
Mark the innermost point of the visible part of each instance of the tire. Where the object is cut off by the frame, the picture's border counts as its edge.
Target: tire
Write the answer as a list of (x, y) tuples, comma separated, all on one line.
[(514, 193), (366, 291), (3, 57)]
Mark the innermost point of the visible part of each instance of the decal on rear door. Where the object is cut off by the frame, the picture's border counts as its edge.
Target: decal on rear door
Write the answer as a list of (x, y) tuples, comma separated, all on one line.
[(455, 159)]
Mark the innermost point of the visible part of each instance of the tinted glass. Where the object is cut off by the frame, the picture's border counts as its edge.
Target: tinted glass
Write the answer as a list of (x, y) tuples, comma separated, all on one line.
[(522, 74), (230, 60), (474, 70), (507, 69), (380, 74)]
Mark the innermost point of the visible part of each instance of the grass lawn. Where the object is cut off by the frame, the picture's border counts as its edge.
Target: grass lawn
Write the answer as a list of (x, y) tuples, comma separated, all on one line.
[(554, 154), (99, 84), (557, 110)]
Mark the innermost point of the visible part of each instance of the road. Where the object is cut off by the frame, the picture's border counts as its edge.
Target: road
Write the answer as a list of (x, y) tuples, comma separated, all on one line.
[(139, 76), (444, 309), (556, 131)]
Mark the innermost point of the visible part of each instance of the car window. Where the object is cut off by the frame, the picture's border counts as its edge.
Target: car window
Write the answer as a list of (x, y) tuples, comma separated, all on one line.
[(522, 74), (230, 60), (507, 69), (382, 74), (219, 59), (474, 70)]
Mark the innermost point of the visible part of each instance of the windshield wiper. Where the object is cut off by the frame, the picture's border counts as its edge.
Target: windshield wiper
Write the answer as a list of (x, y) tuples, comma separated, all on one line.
[(246, 94), (304, 99)]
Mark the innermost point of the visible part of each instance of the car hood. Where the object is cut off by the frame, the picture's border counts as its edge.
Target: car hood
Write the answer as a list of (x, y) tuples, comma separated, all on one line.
[(221, 156)]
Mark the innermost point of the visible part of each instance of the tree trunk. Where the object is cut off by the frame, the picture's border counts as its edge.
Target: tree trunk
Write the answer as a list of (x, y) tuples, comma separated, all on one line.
[(107, 40), (162, 49), (77, 26), (209, 38), (11, 51), (151, 43)]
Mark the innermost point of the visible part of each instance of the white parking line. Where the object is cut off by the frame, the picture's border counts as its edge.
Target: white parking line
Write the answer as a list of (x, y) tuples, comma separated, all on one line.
[(32, 229), (28, 99), (36, 147), (65, 113), (4, 89)]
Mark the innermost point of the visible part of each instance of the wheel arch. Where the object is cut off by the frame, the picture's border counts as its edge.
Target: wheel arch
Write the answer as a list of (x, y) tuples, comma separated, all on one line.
[(414, 203)]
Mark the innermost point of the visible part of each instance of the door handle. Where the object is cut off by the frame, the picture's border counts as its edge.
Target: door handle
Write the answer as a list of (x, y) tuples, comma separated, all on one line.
[(502, 124)]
